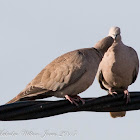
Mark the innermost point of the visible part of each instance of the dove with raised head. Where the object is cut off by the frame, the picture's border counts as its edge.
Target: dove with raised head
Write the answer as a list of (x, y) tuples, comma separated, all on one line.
[(118, 68)]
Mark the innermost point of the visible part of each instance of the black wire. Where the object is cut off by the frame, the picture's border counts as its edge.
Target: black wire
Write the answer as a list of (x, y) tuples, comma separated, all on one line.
[(25, 110)]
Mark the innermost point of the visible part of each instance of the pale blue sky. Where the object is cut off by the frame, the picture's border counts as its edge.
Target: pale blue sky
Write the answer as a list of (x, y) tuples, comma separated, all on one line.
[(33, 33)]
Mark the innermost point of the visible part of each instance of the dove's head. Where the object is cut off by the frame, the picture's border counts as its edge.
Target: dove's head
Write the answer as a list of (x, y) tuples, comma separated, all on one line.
[(115, 32)]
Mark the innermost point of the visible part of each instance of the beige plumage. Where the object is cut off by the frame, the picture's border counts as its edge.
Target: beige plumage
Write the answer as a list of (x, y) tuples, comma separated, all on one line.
[(118, 68), (68, 75)]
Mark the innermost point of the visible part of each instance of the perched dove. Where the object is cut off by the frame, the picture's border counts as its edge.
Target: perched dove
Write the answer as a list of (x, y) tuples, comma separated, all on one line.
[(118, 68), (68, 75)]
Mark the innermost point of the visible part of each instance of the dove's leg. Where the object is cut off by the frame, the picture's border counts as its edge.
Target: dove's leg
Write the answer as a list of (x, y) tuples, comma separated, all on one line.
[(111, 92), (73, 99), (127, 95)]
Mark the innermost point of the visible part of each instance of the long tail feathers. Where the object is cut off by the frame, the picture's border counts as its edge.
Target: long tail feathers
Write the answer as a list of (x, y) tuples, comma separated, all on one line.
[(15, 99), (38, 95), (117, 114)]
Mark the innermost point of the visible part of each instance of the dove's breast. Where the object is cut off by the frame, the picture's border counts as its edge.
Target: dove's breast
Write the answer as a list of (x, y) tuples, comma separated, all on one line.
[(119, 67)]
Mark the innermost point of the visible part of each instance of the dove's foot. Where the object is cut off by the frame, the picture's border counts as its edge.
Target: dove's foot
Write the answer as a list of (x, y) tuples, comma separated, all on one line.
[(127, 96), (111, 92), (74, 99)]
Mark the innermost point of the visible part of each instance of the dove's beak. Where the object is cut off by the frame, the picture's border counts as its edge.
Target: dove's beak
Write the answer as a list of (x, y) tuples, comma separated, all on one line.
[(115, 36)]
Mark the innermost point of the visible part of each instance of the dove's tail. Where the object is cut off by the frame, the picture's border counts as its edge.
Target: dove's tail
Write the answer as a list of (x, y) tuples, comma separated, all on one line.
[(13, 100), (117, 114), (39, 95)]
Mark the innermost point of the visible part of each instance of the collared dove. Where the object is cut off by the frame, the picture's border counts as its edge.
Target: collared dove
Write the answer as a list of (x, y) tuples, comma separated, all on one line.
[(68, 75), (118, 68)]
